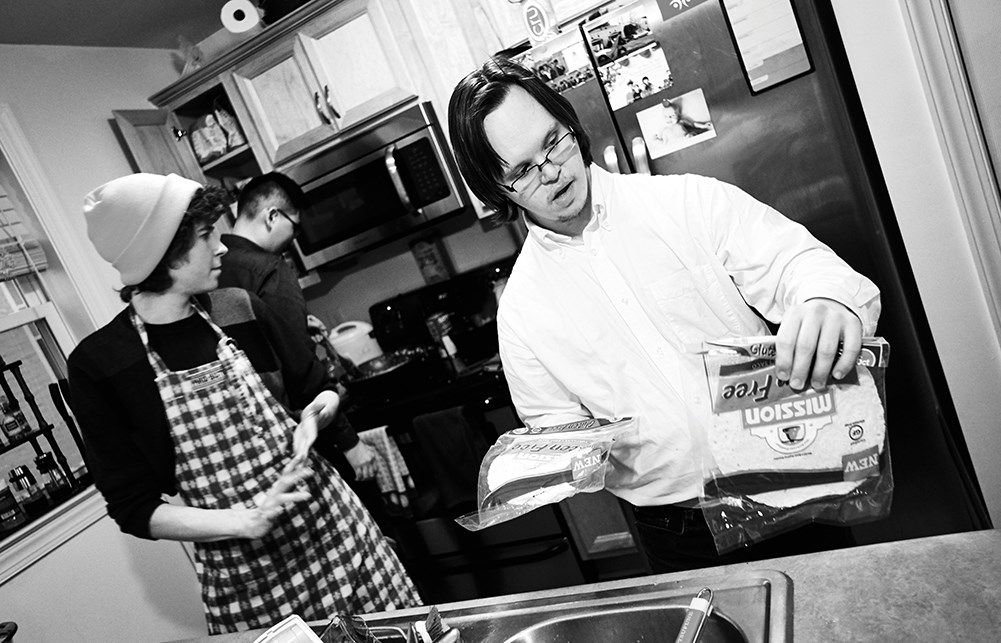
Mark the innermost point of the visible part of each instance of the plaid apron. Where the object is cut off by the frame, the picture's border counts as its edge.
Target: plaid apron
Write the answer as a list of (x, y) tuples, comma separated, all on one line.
[(231, 439)]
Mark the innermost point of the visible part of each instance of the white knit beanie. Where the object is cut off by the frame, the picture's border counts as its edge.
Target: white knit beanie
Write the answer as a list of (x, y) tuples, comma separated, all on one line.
[(132, 220)]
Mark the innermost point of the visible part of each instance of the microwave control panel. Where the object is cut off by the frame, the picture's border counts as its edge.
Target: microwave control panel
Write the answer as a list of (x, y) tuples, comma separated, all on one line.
[(421, 173)]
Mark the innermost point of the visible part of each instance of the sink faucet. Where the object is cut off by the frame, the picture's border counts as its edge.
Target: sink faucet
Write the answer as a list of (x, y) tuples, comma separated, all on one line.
[(433, 630)]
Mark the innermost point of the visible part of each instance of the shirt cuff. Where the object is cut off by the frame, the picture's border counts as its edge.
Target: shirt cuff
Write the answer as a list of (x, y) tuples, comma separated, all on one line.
[(834, 293), (344, 435)]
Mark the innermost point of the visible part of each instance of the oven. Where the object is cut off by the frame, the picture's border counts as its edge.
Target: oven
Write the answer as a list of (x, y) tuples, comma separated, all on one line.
[(448, 563), (442, 429)]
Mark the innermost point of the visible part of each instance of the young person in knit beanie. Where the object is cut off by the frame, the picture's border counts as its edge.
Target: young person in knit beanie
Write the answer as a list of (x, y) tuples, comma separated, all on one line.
[(191, 391)]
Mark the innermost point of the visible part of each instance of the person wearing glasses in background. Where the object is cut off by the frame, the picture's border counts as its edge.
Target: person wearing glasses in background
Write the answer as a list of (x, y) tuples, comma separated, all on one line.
[(268, 218), (618, 275)]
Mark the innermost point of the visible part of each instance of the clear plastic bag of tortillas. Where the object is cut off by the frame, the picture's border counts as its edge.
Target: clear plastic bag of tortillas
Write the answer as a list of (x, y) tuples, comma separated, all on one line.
[(780, 458), (530, 467)]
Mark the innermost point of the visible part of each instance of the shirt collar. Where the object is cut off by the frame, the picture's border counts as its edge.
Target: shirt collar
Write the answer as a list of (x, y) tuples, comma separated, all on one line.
[(232, 241)]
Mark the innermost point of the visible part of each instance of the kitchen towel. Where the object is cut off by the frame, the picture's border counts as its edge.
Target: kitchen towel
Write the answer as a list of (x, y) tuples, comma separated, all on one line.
[(392, 474), (454, 448)]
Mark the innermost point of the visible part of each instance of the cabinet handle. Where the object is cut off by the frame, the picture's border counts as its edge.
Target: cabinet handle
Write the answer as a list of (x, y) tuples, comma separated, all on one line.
[(178, 133), (394, 176), (326, 95), (319, 108)]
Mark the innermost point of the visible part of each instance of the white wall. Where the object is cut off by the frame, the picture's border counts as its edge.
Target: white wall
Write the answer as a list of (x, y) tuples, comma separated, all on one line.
[(928, 213), (105, 586), (101, 585), (978, 23), (62, 97)]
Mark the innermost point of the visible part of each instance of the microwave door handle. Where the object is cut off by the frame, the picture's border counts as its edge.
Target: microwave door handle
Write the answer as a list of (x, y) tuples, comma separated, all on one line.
[(394, 175)]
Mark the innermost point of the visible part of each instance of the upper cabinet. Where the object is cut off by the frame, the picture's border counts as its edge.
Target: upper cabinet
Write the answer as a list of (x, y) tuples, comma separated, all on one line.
[(336, 71), (284, 101), (299, 85), (353, 51), (156, 140), (196, 136)]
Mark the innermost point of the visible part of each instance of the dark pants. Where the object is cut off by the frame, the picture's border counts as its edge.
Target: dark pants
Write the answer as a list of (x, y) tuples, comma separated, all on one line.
[(677, 539)]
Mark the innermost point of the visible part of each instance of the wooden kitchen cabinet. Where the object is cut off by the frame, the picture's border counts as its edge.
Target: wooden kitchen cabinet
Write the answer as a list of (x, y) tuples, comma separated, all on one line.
[(505, 22), (150, 135), (336, 71), (160, 139)]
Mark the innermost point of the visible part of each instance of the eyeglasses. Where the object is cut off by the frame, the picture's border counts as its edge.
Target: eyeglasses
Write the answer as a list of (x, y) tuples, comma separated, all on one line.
[(558, 153), (296, 225)]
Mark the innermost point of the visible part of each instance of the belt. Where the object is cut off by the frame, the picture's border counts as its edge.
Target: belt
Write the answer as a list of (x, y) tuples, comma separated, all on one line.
[(678, 517)]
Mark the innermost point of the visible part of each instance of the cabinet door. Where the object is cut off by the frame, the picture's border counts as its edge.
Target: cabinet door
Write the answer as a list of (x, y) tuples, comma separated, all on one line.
[(283, 102), (154, 137), (356, 60)]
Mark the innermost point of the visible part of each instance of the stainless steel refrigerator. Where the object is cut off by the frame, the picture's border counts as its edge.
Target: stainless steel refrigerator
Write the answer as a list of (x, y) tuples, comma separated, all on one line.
[(762, 97)]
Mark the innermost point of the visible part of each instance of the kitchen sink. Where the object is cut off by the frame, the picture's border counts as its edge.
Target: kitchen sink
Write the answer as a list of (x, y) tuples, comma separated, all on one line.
[(751, 607), (649, 623)]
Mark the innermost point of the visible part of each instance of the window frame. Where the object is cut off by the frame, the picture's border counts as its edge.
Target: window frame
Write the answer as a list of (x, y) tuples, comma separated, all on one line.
[(33, 542)]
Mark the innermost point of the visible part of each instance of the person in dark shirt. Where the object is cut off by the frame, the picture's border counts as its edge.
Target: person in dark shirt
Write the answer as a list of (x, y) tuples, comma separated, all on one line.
[(191, 391), (269, 215)]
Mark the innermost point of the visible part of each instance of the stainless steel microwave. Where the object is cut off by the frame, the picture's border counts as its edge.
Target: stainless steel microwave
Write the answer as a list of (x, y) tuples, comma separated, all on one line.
[(394, 176)]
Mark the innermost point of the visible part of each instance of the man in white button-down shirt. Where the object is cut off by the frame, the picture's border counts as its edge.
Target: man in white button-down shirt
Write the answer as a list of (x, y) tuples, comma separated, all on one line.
[(619, 275)]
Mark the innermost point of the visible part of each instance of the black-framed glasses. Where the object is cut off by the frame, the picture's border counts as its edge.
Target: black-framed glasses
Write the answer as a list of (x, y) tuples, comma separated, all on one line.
[(296, 225), (558, 153)]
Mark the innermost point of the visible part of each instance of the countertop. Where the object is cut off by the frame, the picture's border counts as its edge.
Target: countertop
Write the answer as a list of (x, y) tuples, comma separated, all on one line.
[(926, 589)]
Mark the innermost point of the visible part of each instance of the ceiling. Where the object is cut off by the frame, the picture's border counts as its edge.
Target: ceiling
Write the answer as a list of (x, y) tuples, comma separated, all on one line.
[(108, 23)]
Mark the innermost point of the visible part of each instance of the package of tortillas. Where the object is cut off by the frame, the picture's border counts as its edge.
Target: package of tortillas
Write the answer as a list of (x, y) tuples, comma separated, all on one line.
[(781, 458), (530, 467)]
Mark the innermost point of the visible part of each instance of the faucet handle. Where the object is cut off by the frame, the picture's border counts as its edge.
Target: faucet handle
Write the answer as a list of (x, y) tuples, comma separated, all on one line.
[(432, 630)]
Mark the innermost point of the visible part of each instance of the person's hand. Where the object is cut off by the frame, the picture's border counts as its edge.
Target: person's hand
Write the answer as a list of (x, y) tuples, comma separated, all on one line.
[(807, 344), (316, 328), (362, 460), (271, 504), (317, 414)]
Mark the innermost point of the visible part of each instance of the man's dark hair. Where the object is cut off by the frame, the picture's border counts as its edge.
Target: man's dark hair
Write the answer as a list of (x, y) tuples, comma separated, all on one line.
[(205, 208), (266, 186), (475, 97)]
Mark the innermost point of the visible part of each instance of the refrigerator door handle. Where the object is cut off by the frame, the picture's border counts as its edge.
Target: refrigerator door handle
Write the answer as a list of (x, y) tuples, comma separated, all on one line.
[(640, 159), (611, 160)]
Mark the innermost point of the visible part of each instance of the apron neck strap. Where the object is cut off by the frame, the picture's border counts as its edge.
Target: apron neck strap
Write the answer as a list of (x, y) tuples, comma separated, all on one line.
[(140, 326)]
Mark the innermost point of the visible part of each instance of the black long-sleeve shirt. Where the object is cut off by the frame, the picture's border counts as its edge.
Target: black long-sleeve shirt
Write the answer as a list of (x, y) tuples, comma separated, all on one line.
[(117, 404)]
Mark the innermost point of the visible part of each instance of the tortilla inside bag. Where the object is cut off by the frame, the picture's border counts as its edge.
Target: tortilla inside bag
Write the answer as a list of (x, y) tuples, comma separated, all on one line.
[(781, 448)]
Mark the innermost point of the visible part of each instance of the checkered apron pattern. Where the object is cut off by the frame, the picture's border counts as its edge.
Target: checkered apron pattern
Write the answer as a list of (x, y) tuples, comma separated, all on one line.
[(231, 440)]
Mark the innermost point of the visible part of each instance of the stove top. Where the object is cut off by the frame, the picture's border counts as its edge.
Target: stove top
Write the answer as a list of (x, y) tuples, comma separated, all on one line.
[(482, 383)]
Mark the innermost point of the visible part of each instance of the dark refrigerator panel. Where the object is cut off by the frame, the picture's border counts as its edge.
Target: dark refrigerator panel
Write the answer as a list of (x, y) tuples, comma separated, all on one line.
[(565, 64), (785, 146), (800, 145)]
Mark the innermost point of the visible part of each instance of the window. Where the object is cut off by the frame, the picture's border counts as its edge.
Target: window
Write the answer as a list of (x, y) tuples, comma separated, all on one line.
[(37, 435)]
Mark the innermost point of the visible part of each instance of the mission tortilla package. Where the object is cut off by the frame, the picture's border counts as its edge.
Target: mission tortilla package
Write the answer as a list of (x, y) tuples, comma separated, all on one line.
[(782, 458), (527, 468)]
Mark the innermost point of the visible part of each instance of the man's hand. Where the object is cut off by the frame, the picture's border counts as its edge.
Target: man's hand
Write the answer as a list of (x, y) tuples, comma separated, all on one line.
[(315, 416), (362, 460), (303, 437), (809, 338), (316, 328)]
